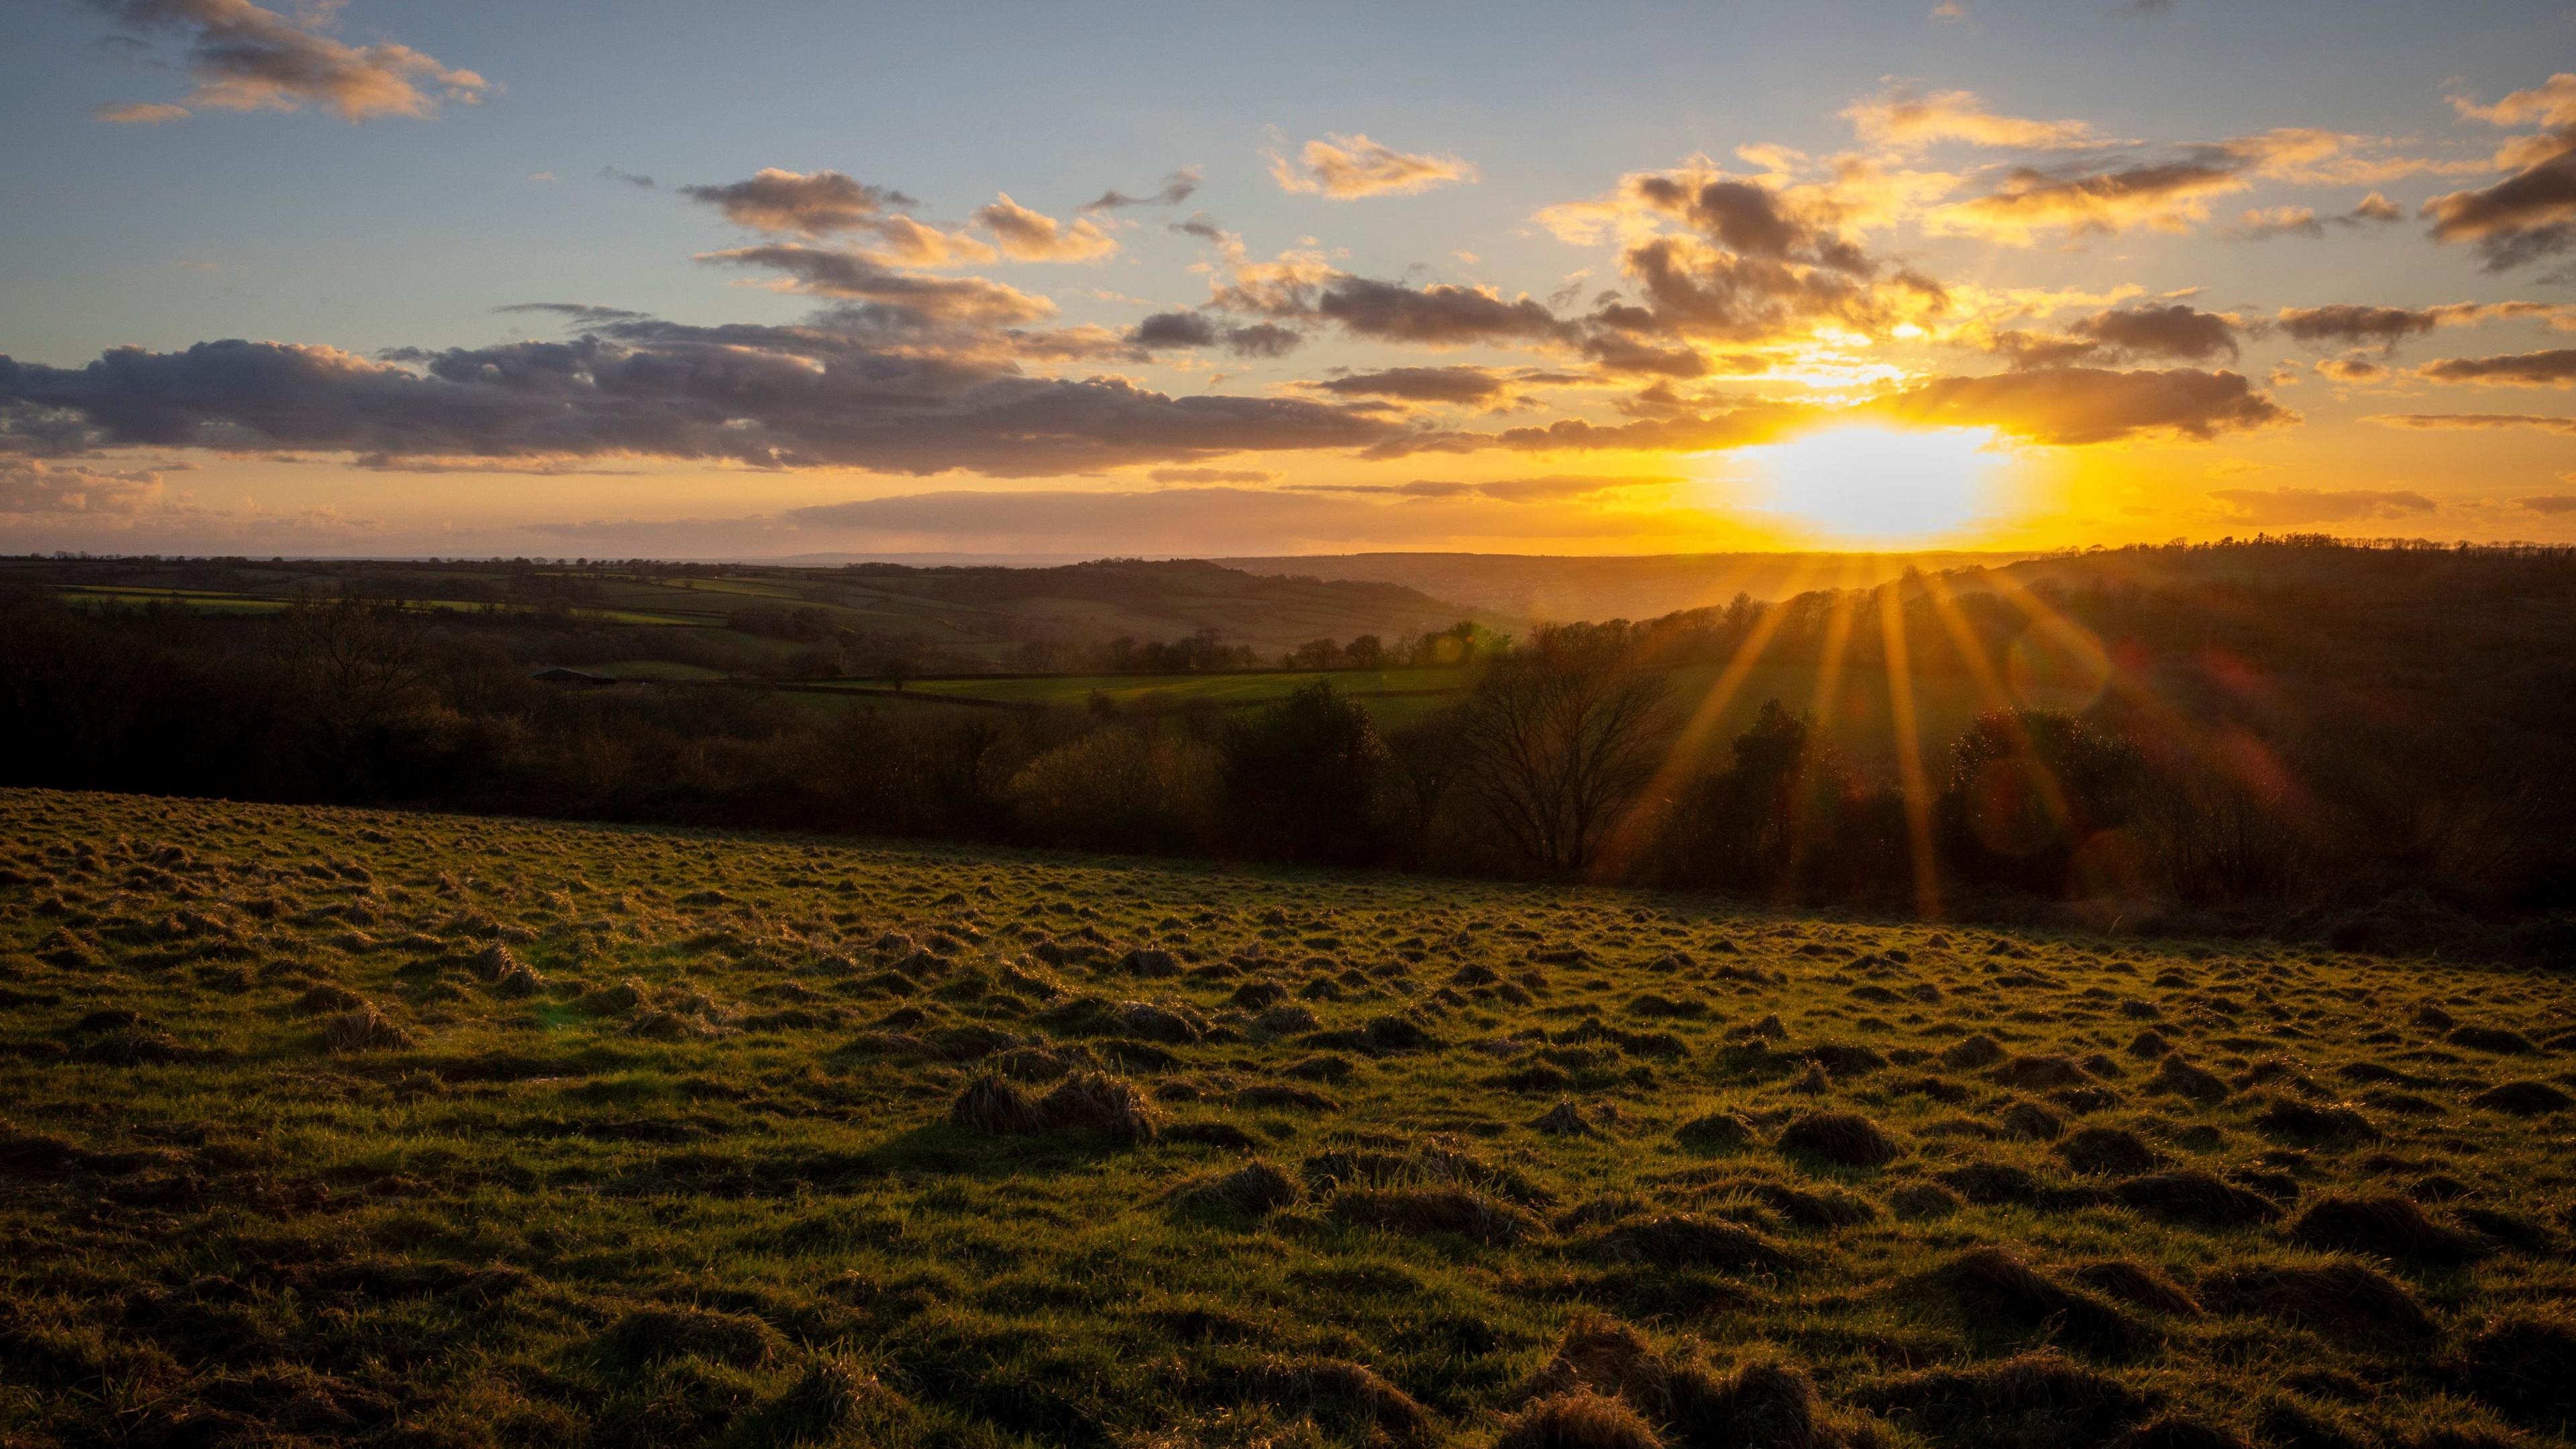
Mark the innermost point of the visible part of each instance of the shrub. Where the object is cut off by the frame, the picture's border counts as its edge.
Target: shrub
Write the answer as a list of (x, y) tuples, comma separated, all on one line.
[(1117, 789)]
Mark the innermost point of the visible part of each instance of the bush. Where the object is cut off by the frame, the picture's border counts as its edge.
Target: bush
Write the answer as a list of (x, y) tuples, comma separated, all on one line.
[(1298, 778), (1117, 789), (2028, 790)]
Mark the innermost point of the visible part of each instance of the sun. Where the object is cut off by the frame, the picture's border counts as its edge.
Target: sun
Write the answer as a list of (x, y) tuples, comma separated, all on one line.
[(1865, 484)]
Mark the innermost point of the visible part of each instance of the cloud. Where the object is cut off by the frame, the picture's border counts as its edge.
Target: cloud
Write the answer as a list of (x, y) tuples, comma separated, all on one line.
[(2058, 406), (632, 178), (31, 486), (2350, 369), (2313, 505), (2164, 196), (139, 113), (2357, 326), (1177, 188), (2170, 193), (1262, 339), (1197, 329), (1210, 475), (909, 296), (2552, 504), (829, 395), (2174, 332), (818, 204), (1711, 257), (2349, 325), (1346, 168), (1745, 426), (1422, 384), (2553, 367), (1440, 315), (1903, 118), (2268, 222), (1217, 521), (2449, 422), (1552, 488), (802, 203), (1028, 236), (2076, 405), (247, 58), (576, 311), (2530, 214), (2556, 368)]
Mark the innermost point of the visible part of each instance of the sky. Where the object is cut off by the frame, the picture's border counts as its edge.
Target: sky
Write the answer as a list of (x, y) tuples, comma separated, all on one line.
[(652, 278)]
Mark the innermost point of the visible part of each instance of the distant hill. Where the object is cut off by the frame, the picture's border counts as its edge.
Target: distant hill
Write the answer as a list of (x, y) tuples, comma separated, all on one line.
[(1164, 599), (1566, 588), (726, 617)]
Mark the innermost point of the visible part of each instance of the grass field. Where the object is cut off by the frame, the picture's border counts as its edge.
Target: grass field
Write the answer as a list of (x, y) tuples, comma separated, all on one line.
[(337, 1126), (209, 601)]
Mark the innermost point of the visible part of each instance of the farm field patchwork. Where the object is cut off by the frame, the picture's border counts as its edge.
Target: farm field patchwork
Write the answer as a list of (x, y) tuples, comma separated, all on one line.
[(347, 1126)]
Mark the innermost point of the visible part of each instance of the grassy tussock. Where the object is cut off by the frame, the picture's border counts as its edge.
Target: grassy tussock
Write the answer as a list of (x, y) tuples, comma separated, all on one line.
[(344, 1127)]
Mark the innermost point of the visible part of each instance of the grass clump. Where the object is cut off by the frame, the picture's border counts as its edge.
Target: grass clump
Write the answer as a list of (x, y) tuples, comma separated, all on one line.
[(780, 1140)]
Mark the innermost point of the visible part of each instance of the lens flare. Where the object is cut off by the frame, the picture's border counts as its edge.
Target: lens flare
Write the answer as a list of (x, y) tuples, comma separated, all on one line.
[(1878, 485)]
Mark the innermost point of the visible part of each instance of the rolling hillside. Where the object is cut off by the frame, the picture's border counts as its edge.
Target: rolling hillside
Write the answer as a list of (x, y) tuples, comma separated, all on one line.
[(334, 1126)]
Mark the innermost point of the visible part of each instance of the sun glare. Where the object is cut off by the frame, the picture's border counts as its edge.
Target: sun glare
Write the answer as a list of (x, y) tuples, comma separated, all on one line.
[(1878, 485)]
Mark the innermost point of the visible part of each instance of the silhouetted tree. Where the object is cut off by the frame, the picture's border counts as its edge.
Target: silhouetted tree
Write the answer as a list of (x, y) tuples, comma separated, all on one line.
[(1299, 776), (2027, 789), (1560, 735)]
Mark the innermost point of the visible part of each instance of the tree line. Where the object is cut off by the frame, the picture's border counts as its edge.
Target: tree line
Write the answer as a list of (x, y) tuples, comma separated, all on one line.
[(1569, 755)]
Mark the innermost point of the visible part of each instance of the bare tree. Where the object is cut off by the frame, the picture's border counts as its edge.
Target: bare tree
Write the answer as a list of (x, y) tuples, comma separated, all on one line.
[(1560, 735), (363, 659)]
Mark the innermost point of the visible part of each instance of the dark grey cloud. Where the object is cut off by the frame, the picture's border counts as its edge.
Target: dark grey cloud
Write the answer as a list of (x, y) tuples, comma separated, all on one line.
[(2530, 214), (1262, 339), (1440, 315), (1177, 188), (575, 311), (632, 178), (824, 396), (1423, 384), (1755, 266), (2554, 368), (2523, 218), (1752, 220), (1198, 329), (1176, 329), (2353, 325), (813, 204), (2070, 405), (2175, 332), (831, 272)]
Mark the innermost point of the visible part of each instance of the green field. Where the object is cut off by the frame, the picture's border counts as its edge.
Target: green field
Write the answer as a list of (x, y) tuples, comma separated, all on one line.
[(332, 1126), (209, 601)]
